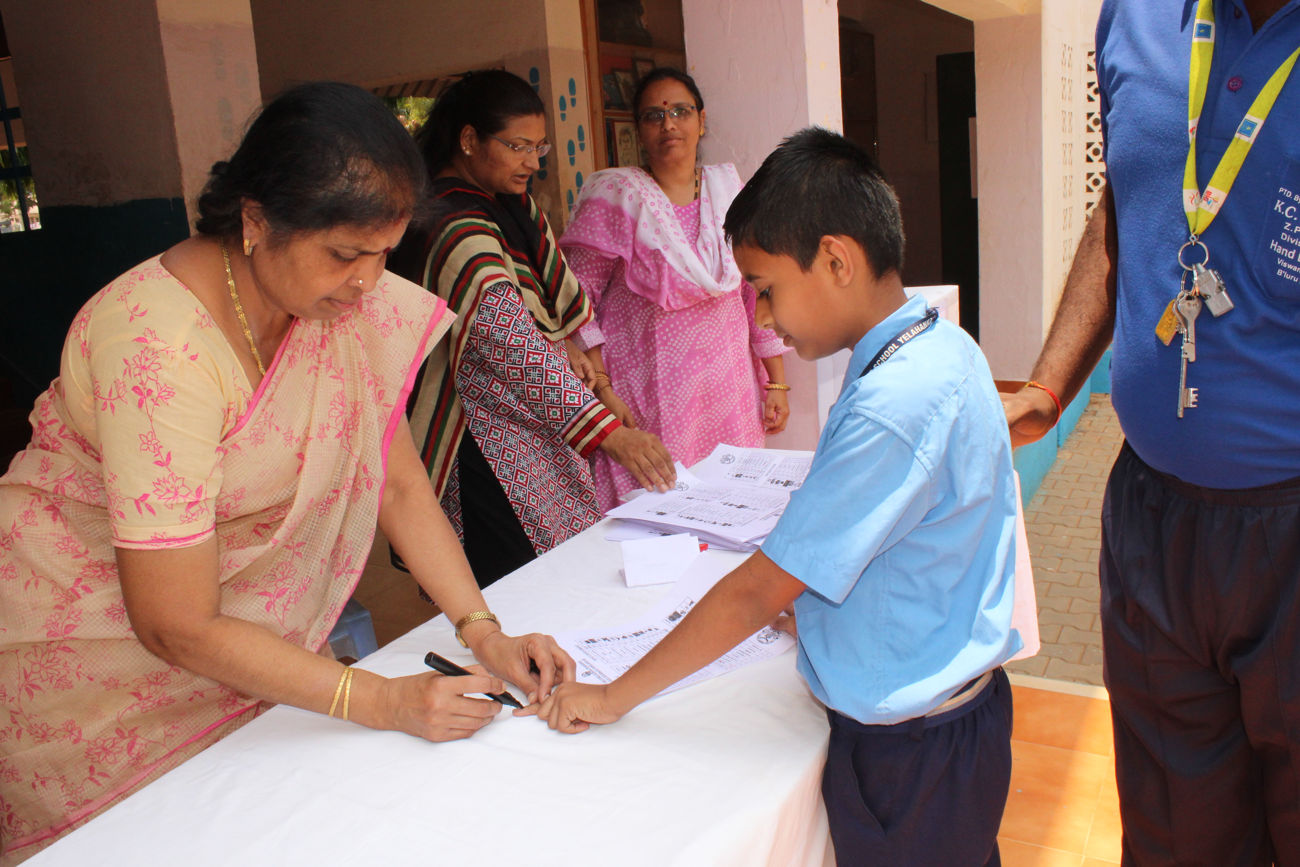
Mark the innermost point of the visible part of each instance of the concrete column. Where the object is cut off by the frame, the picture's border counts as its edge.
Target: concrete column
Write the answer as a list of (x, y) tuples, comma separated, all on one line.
[(211, 78), (1009, 94), (768, 68), (1030, 73), (95, 101)]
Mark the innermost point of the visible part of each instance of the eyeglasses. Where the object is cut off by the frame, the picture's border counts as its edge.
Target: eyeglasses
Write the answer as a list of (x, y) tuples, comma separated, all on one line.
[(676, 112), (524, 150)]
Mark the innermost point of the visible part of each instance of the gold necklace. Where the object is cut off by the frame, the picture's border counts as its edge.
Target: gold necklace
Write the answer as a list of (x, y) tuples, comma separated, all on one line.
[(239, 310)]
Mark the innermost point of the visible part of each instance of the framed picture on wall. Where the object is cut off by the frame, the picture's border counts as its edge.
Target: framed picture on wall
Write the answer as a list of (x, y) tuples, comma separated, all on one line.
[(626, 86), (624, 148), (642, 66), (613, 91)]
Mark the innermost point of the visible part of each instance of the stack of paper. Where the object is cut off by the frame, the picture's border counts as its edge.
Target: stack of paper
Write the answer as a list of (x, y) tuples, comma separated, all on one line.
[(602, 655), (658, 560), (731, 499)]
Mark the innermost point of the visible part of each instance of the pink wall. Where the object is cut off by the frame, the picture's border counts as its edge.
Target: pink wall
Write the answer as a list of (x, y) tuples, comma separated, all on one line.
[(767, 68)]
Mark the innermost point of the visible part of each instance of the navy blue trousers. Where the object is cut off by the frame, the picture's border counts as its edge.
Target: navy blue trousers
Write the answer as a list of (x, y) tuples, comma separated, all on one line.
[(928, 792), (1200, 614)]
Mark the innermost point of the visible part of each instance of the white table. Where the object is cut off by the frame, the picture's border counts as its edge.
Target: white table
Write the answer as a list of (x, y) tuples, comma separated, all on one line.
[(723, 773)]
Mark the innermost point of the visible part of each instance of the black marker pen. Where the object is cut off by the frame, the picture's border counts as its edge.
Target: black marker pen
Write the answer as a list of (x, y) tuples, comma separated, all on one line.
[(450, 669)]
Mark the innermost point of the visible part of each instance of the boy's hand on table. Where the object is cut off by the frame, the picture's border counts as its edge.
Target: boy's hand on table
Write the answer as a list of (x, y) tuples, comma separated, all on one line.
[(785, 622), (575, 707)]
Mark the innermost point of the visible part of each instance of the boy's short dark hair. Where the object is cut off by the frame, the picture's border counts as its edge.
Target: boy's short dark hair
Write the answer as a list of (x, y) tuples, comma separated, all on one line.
[(818, 183)]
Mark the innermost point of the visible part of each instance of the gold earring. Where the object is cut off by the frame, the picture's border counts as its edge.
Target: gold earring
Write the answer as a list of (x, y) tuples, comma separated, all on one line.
[(248, 247)]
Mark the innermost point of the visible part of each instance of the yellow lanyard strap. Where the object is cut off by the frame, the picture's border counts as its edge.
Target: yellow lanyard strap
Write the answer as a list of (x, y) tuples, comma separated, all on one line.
[(1201, 207)]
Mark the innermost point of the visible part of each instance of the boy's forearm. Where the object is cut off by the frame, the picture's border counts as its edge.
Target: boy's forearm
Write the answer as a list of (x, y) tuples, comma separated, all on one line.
[(745, 600)]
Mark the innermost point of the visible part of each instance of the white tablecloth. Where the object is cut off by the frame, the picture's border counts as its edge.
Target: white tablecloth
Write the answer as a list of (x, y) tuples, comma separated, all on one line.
[(723, 773)]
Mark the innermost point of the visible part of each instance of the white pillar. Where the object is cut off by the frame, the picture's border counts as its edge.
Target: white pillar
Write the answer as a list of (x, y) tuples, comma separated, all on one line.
[(1009, 153), (211, 62), (1030, 84), (767, 68)]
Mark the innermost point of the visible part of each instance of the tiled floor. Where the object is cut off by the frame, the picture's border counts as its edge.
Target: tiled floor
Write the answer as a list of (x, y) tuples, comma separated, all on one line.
[(1064, 529), (1063, 808)]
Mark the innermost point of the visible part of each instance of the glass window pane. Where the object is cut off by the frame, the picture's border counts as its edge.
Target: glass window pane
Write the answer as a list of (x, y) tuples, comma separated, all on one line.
[(10, 218)]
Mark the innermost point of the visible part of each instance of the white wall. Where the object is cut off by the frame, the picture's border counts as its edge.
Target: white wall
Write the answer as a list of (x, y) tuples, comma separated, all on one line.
[(767, 68), (1009, 110), (1029, 72)]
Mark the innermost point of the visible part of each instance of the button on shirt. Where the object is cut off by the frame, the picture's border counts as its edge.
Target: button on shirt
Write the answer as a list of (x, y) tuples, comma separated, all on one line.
[(1245, 430), (904, 529)]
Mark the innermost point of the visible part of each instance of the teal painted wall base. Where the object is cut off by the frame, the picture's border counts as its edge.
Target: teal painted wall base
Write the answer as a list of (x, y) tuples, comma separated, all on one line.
[(1101, 376), (49, 273), (1034, 461)]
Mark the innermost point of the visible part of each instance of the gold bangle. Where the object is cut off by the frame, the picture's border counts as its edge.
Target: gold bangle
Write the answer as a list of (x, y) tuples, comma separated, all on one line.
[(347, 695), (777, 386), (473, 617), (338, 690)]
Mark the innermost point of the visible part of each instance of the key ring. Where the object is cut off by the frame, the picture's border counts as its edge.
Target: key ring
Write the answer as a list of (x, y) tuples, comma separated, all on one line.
[(1194, 242)]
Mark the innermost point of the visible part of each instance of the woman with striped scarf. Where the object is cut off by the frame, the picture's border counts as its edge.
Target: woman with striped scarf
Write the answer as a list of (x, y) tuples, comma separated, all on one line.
[(504, 424)]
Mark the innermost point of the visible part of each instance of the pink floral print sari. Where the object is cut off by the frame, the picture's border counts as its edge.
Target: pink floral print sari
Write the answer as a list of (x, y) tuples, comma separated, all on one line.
[(152, 438)]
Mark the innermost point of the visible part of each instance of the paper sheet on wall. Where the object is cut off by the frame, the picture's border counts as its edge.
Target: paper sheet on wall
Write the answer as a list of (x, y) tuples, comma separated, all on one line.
[(604, 654)]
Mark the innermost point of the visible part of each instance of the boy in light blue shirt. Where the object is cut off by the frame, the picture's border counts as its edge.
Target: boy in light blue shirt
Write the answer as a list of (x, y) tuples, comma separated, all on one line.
[(897, 553)]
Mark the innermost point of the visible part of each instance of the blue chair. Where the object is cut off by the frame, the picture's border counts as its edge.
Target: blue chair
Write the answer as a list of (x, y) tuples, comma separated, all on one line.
[(354, 634)]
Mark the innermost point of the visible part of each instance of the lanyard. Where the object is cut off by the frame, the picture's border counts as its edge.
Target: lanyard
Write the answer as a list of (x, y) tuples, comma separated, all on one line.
[(1201, 207), (887, 351)]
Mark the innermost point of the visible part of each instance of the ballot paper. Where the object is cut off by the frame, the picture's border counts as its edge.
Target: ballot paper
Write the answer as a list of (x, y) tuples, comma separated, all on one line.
[(732, 499), (774, 469), (604, 654), (658, 560)]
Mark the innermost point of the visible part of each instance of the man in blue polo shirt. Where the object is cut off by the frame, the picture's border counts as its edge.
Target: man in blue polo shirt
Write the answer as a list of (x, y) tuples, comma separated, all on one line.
[(1200, 565)]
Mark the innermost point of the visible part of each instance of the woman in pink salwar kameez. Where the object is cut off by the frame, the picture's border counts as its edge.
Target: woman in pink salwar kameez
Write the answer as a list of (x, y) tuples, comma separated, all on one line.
[(205, 476), (674, 343)]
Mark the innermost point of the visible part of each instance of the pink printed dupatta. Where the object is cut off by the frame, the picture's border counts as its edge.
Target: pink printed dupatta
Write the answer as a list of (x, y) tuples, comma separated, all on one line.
[(622, 213), (89, 714)]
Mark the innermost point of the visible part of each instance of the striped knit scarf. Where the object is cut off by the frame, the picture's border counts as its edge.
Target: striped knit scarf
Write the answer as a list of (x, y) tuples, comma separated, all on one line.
[(483, 240)]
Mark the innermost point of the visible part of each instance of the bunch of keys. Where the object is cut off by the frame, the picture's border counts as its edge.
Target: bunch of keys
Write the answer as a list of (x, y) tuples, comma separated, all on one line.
[(1208, 282), (1186, 307), (1206, 289)]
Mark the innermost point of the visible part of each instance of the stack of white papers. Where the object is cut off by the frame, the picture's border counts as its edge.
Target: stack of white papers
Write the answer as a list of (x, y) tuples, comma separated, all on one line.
[(731, 499), (604, 655), (659, 559)]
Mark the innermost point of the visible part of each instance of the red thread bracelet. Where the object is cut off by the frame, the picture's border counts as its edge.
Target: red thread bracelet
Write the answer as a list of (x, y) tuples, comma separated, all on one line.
[(1056, 400)]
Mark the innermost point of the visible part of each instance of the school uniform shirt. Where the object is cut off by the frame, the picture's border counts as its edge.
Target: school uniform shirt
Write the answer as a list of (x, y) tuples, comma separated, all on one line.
[(1243, 431), (904, 530)]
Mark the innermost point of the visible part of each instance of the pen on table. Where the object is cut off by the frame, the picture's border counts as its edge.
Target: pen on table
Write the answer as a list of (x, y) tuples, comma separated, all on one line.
[(446, 667)]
